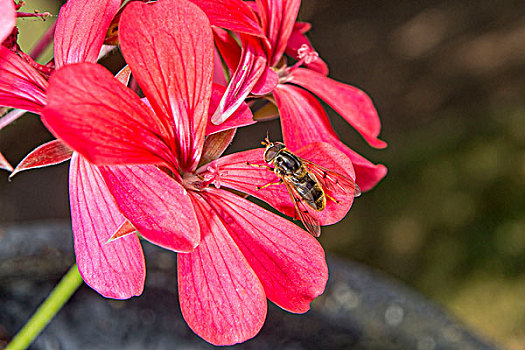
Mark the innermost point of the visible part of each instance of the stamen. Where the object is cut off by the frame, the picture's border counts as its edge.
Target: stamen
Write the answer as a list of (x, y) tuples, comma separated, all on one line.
[(213, 176), (307, 54)]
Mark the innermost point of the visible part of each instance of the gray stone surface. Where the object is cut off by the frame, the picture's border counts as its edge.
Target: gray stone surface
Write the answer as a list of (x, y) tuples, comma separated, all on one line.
[(361, 309)]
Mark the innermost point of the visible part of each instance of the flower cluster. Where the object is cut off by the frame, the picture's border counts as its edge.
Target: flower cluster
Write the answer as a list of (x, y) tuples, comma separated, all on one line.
[(146, 148)]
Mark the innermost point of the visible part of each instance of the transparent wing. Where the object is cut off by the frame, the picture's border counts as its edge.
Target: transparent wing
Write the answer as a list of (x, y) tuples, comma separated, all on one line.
[(302, 210), (332, 181)]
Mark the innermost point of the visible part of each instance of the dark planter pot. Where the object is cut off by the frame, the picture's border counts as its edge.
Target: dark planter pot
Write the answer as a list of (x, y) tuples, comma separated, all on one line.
[(361, 309)]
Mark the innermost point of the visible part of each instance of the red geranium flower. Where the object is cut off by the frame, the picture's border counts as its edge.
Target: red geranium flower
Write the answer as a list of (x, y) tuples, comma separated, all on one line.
[(115, 270), (303, 120), (232, 253)]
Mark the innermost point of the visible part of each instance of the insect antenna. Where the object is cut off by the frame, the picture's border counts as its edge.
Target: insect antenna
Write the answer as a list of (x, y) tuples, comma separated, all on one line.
[(266, 141)]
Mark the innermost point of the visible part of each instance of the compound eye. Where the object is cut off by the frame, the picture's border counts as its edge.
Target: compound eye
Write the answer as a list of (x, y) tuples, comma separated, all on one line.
[(270, 153)]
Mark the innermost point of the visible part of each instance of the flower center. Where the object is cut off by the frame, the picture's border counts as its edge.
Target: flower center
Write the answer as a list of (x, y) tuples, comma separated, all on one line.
[(193, 182), (212, 176)]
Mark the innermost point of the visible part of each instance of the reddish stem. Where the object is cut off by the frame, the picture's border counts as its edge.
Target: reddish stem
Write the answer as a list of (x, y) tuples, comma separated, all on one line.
[(43, 15), (43, 42)]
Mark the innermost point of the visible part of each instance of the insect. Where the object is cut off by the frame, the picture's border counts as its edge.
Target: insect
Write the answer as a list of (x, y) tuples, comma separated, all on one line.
[(307, 183)]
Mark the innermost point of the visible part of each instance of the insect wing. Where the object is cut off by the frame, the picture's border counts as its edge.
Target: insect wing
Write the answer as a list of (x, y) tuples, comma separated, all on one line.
[(332, 181), (302, 210)]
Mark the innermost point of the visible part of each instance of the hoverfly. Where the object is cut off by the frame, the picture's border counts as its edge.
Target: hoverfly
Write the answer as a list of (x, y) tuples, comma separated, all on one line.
[(306, 182)]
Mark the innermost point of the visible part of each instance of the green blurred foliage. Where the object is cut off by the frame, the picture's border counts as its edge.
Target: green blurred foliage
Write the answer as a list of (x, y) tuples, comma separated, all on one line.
[(448, 219)]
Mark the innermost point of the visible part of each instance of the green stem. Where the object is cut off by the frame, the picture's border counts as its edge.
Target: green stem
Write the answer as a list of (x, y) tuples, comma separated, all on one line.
[(49, 308)]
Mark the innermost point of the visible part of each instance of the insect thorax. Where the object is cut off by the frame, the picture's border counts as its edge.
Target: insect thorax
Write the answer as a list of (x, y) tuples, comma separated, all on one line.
[(286, 163)]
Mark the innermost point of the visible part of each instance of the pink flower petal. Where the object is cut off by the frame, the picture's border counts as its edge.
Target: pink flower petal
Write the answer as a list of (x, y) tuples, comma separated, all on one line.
[(50, 153), (267, 82), (21, 86), (368, 174), (103, 120), (221, 298), (289, 262), (219, 72), (278, 18), (241, 117), (251, 67), (156, 204), (351, 103), (233, 171), (4, 164), (116, 269), (228, 47), (7, 18), (169, 47), (301, 27), (81, 28), (253, 6), (234, 15), (297, 39), (294, 104)]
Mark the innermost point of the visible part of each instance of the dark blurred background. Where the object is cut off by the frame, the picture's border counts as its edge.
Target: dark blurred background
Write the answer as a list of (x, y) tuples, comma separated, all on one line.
[(447, 78)]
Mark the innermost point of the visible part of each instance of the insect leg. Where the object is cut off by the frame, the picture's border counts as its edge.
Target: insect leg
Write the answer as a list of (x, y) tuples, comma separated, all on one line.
[(332, 199), (259, 166), (269, 184)]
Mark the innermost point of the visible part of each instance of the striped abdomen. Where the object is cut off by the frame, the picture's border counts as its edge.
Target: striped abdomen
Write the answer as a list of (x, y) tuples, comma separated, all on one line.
[(310, 191)]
